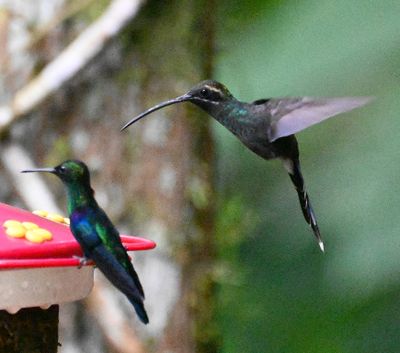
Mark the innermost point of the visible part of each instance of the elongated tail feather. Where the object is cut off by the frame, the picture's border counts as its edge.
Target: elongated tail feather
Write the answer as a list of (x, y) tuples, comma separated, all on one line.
[(293, 168), (120, 278)]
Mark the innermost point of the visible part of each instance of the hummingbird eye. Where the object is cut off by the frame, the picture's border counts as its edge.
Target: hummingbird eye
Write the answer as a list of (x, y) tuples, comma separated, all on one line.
[(204, 93), (210, 94), (62, 169)]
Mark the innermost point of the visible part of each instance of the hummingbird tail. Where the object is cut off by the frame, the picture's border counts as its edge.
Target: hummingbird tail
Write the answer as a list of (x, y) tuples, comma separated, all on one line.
[(120, 278), (140, 310), (293, 168)]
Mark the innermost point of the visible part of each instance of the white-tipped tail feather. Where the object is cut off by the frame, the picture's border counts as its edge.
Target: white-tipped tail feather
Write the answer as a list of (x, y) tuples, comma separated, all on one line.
[(321, 245), (293, 168)]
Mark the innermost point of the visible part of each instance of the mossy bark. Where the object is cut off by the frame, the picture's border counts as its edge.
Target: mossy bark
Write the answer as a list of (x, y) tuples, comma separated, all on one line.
[(174, 45)]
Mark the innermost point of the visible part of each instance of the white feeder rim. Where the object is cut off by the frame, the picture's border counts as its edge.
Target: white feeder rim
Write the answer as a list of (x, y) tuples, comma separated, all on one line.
[(43, 287)]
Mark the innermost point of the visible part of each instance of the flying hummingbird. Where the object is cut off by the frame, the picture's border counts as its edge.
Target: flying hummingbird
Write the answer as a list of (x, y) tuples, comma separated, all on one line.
[(267, 126), (95, 233)]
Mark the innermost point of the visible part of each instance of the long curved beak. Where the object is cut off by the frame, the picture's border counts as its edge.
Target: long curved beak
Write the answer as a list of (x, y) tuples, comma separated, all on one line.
[(42, 170), (179, 99)]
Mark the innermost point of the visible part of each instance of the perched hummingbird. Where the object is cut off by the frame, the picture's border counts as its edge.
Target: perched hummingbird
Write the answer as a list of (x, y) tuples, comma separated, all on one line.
[(96, 234), (267, 126)]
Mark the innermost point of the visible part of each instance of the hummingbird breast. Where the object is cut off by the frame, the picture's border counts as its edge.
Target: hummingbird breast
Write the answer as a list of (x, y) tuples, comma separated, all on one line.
[(261, 147), (252, 129), (254, 135), (256, 140)]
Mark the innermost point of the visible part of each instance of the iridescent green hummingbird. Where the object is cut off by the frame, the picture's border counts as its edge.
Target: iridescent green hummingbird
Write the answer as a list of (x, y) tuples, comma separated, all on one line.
[(95, 233), (267, 126)]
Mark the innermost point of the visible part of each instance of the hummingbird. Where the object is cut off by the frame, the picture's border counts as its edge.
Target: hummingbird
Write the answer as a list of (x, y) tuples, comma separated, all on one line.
[(267, 126), (97, 236)]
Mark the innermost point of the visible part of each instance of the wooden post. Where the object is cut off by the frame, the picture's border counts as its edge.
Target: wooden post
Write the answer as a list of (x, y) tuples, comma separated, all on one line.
[(30, 330)]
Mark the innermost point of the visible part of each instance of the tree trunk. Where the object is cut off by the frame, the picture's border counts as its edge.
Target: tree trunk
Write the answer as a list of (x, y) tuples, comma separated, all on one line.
[(30, 330), (172, 169)]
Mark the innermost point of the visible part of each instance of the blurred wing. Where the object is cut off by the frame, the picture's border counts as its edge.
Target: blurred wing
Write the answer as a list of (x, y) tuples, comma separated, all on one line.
[(291, 115)]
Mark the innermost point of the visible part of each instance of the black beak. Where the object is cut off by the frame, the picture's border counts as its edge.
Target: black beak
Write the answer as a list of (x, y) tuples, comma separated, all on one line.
[(42, 170), (179, 99)]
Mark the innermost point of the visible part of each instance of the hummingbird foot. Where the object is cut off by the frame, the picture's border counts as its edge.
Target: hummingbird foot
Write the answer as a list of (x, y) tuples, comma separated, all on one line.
[(83, 260)]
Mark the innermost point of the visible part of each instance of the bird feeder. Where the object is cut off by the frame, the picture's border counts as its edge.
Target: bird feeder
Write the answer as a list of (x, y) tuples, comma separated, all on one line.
[(40, 260)]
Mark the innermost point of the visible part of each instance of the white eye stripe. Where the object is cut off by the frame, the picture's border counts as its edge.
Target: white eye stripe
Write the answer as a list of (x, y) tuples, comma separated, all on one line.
[(216, 90)]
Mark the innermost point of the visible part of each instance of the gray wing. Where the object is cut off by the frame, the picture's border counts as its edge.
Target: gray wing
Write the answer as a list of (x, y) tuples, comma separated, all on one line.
[(291, 115)]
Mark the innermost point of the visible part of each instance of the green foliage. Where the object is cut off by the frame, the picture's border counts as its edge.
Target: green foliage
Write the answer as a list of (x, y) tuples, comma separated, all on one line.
[(290, 297)]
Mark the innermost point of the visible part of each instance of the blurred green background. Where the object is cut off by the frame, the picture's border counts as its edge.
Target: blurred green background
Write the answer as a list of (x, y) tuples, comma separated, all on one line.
[(277, 291)]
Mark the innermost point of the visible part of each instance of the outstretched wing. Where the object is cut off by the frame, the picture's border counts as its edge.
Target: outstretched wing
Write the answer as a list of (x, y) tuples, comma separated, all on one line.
[(291, 115)]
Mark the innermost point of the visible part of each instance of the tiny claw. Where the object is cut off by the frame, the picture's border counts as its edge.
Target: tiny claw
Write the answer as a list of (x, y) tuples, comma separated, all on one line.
[(321, 245), (83, 261)]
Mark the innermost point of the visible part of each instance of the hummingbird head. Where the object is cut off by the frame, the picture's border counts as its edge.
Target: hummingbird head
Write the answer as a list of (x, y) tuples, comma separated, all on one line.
[(209, 92), (70, 172), (209, 95)]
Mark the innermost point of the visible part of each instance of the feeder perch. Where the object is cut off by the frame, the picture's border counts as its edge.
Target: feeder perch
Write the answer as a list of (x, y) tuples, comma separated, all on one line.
[(39, 259)]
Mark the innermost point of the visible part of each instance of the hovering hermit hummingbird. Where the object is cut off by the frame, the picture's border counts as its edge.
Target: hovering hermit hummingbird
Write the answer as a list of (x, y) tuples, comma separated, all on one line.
[(267, 126), (95, 233)]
